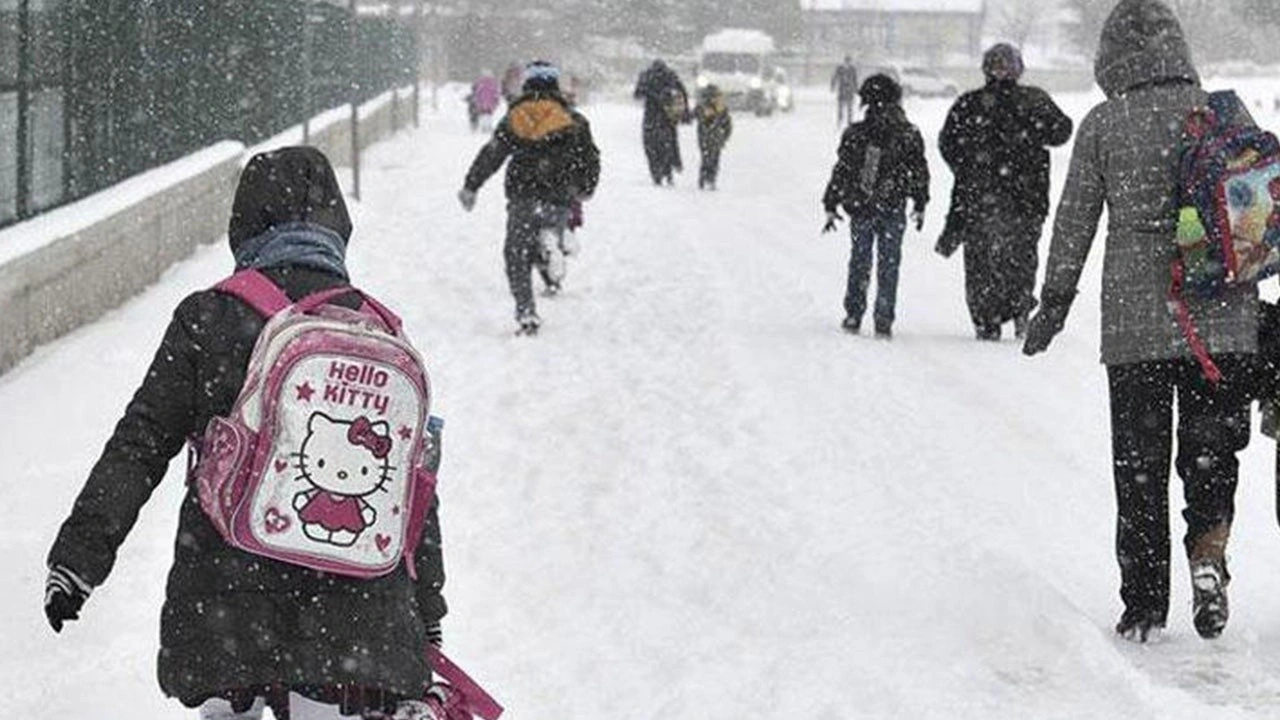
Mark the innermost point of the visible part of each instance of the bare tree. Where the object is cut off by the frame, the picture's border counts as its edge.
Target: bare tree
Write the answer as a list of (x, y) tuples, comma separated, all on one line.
[(1018, 21)]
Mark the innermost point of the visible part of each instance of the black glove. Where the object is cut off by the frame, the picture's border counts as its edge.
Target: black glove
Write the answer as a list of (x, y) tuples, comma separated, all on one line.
[(64, 595), (917, 217), (833, 217), (1048, 322)]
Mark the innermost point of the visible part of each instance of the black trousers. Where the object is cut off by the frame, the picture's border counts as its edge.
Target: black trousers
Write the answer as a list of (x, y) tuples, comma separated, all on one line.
[(710, 169), (1000, 262), (526, 221), (1212, 426)]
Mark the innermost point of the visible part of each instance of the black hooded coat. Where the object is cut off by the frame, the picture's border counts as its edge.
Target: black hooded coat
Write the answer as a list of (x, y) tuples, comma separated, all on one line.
[(234, 621), (666, 102)]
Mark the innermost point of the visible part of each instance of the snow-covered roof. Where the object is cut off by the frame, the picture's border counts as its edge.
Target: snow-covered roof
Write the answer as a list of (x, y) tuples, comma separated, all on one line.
[(738, 40), (919, 6)]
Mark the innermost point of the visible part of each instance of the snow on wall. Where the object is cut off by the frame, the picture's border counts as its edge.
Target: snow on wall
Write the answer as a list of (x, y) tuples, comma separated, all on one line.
[(66, 267)]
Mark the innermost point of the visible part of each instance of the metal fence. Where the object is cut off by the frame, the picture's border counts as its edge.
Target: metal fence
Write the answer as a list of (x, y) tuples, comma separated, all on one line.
[(93, 91)]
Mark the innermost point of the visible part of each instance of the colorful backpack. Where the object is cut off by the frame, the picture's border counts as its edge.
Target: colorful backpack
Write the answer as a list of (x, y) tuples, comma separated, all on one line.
[(323, 460), (1229, 217)]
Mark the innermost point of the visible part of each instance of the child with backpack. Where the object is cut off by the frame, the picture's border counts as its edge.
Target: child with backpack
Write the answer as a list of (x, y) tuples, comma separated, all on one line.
[(1126, 159), (307, 571), (554, 162), (715, 125), (880, 165)]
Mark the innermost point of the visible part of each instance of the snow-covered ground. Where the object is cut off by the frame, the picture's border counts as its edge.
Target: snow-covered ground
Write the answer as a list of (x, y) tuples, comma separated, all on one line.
[(692, 496)]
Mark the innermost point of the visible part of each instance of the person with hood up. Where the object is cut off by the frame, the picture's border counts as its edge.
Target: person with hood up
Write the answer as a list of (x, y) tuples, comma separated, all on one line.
[(554, 162), (844, 83), (879, 166), (240, 631), (995, 141), (1126, 160), (666, 105), (715, 125)]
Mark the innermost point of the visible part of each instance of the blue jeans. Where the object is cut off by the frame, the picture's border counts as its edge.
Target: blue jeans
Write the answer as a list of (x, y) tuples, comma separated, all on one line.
[(884, 232)]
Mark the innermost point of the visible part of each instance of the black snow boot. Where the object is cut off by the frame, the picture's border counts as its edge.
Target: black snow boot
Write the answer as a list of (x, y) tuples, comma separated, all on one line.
[(1140, 626), (1209, 579), (851, 325)]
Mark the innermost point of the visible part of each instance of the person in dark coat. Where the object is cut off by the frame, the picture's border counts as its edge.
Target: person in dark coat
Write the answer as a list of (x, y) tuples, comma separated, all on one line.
[(237, 628), (666, 105), (554, 162), (880, 165), (715, 125), (844, 83), (995, 141), (1126, 160)]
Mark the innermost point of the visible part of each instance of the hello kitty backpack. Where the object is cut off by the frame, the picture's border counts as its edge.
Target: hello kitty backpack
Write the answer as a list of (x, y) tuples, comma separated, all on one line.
[(322, 461)]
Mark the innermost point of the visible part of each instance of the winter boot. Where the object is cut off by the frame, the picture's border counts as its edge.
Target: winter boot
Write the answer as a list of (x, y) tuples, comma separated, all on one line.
[(987, 333), (529, 323), (884, 331), (1141, 626), (1209, 580), (551, 256), (851, 325)]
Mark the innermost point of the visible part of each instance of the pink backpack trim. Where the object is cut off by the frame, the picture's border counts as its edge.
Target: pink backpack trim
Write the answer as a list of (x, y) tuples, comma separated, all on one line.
[(475, 699), (257, 291)]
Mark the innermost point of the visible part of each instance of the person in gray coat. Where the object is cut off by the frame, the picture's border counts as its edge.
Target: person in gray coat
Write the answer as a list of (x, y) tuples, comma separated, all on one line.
[(1126, 159)]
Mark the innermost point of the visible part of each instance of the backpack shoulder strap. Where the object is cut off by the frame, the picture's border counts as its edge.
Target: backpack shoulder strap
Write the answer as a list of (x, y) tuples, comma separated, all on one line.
[(257, 291)]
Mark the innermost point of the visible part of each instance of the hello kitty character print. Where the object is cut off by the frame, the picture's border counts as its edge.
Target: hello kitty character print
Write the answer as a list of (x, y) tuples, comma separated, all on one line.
[(321, 461), (344, 462)]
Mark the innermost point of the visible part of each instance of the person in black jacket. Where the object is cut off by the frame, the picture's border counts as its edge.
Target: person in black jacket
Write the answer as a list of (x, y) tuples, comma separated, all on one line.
[(995, 141), (880, 165), (554, 162), (666, 105), (239, 629)]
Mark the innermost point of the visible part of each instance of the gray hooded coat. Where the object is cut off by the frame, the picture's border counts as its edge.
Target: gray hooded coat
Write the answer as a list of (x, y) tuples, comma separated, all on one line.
[(1125, 158)]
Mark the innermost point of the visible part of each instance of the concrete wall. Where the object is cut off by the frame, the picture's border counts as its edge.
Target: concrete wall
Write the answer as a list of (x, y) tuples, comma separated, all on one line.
[(65, 268)]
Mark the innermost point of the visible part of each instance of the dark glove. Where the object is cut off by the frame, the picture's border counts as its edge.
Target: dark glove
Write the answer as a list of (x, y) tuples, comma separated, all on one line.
[(833, 217), (1047, 322), (467, 199), (575, 215), (64, 595), (435, 635), (917, 217)]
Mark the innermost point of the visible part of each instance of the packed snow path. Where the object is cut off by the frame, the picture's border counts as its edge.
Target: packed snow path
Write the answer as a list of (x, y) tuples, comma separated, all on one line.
[(692, 496)]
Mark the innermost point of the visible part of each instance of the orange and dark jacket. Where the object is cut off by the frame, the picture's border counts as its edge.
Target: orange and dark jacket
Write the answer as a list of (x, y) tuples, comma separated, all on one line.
[(553, 156)]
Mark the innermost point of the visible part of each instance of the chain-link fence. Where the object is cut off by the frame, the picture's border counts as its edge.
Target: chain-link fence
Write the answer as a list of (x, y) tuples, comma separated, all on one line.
[(93, 91)]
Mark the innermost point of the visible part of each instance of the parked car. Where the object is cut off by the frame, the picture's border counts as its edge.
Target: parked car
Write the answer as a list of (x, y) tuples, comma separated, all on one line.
[(925, 82), (919, 81)]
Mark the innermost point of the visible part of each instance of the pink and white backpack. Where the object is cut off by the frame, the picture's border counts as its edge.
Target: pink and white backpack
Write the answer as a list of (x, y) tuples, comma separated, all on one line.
[(322, 460)]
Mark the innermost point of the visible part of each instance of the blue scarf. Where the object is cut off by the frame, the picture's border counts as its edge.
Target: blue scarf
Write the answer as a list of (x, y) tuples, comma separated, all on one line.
[(296, 243)]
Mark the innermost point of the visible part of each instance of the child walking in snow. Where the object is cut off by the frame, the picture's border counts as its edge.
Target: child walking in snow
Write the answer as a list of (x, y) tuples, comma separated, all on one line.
[(714, 128), (554, 161), (880, 165), (241, 631)]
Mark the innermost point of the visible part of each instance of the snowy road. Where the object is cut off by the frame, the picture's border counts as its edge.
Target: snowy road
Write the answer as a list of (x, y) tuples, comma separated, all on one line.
[(692, 496)]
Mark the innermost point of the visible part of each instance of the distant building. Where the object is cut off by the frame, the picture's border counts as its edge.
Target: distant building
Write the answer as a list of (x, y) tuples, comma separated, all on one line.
[(925, 30)]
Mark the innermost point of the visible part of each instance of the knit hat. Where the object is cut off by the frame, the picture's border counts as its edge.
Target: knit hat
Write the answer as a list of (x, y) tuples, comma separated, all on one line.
[(541, 75), (880, 89), (1002, 62)]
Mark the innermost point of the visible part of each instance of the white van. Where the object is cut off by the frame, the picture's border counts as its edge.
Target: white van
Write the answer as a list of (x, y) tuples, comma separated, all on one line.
[(739, 62)]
